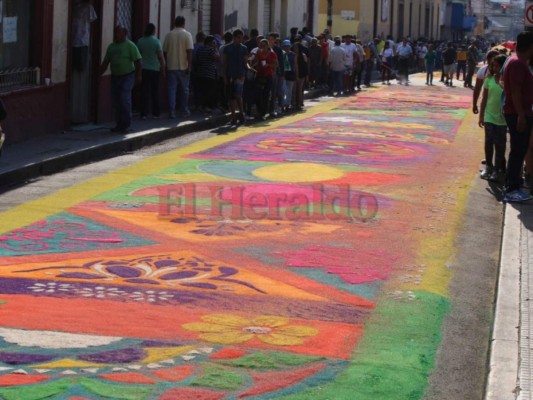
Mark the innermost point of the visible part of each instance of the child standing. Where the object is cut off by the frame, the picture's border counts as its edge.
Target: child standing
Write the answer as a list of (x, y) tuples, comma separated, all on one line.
[(491, 117), (429, 58)]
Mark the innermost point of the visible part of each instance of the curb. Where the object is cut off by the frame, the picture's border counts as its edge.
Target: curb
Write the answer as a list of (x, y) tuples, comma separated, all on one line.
[(97, 152), (102, 151), (502, 381)]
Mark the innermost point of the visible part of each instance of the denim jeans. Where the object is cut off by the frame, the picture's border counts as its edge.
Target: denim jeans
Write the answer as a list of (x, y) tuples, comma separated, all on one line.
[(519, 144), (179, 78), (121, 87), (287, 92), (337, 80)]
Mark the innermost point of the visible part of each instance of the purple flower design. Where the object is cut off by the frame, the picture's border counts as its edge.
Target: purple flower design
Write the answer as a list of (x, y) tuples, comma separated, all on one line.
[(127, 355), (159, 270), (22, 358)]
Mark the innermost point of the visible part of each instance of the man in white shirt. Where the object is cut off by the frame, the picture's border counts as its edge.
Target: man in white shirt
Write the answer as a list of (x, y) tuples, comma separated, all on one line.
[(337, 65), (405, 52), (178, 47), (349, 63)]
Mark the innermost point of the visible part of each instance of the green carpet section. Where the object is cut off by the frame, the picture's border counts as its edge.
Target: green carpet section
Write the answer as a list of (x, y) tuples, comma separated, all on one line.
[(395, 355), (219, 377), (119, 392), (271, 360), (35, 392)]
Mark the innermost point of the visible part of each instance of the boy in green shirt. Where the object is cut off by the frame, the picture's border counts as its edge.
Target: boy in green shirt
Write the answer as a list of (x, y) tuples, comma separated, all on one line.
[(492, 119)]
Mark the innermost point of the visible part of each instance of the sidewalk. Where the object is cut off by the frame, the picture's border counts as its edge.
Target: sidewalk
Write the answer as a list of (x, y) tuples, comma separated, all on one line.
[(52, 153), (511, 364)]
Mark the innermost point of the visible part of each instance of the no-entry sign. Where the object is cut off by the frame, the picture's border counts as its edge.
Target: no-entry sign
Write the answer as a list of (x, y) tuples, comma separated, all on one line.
[(528, 20)]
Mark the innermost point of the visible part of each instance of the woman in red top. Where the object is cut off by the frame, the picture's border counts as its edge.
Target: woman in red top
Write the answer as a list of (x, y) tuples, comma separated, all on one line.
[(265, 63)]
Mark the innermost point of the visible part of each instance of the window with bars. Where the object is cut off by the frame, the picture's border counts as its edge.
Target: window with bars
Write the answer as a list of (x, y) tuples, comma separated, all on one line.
[(15, 45), (124, 14)]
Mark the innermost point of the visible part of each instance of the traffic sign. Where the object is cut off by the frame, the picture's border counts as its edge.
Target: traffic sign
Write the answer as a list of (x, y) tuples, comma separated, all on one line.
[(528, 20)]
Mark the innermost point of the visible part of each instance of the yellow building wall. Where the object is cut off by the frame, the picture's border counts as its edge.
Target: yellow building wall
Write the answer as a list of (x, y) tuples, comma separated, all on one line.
[(363, 24)]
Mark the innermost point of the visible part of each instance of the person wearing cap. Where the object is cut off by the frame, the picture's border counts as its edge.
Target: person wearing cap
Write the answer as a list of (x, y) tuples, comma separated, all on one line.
[(291, 72)]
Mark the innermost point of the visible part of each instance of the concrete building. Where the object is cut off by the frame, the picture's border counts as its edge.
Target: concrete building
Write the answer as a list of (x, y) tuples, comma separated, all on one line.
[(44, 88), (431, 19)]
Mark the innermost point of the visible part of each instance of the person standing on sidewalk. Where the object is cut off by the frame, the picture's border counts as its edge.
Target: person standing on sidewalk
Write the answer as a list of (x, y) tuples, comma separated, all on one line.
[(153, 64), (371, 57), (126, 69), (291, 73), (206, 58), (350, 53), (405, 53), (337, 62), (480, 77), (429, 59), (492, 119), (386, 64), (265, 63), (234, 66), (518, 111), (449, 57), (276, 93), (178, 47), (471, 60)]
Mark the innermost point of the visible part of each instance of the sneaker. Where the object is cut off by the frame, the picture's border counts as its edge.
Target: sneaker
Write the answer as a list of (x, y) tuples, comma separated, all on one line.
[(494, 176), (172, 115), (516, 196), (526, 182), (186, 114), (486, 173)]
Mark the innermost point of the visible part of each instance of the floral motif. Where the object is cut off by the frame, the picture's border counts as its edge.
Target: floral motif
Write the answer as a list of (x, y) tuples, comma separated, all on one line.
[(158, 270), (226, 227), (232, 329), (63, 233)]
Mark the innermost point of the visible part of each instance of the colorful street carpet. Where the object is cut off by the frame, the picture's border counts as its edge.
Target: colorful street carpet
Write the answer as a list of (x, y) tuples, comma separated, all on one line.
[(302, 259)]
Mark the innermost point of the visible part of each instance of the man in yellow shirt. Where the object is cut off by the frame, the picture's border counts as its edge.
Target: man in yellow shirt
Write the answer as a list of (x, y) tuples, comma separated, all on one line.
[(178, 47)]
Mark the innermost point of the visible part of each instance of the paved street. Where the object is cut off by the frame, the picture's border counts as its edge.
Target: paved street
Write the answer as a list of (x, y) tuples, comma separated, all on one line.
[(347, 252)]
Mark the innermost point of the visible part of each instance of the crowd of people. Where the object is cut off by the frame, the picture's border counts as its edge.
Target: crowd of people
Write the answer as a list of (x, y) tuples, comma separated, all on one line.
[(507, 106), (257, 76)]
